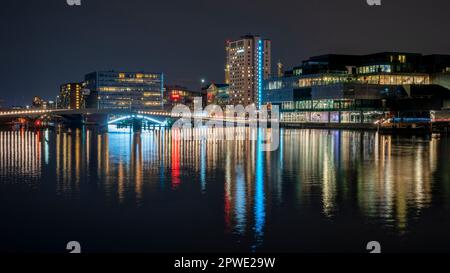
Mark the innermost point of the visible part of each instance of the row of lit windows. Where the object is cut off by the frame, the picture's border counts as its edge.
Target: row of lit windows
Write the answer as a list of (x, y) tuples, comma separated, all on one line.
[(178, 92), (131, 96), (374, 69), (400, 59), (317, 104), (151, 94), (298, 72), (395, 79), (380, 79), (69, 88), (321, 80), (123, 89), (136, 80), (333, 117), (273, 85), (137, 76)]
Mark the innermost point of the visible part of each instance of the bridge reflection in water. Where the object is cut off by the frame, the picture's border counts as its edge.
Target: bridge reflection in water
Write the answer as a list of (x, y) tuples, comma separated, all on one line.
[(387, 181)]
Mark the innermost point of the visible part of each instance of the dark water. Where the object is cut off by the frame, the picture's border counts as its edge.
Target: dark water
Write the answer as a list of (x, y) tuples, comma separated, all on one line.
[(321, 191)]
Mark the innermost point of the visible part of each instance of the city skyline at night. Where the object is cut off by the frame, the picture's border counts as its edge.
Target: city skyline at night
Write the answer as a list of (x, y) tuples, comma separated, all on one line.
[(225, 136), (59, 48)]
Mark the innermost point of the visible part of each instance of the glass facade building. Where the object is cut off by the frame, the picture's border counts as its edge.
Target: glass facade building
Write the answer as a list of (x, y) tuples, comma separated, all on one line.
[(125, 90), (360, 89)]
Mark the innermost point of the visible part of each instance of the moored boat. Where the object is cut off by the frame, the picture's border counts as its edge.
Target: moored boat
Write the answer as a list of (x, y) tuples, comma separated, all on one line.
[(405, 126)]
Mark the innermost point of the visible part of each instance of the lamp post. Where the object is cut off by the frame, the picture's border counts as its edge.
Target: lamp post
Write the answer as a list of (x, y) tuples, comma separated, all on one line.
[(204, 100), (202, 82)]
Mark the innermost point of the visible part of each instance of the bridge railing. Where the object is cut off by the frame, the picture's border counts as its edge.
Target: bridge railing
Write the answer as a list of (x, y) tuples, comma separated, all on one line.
[(24, 112)]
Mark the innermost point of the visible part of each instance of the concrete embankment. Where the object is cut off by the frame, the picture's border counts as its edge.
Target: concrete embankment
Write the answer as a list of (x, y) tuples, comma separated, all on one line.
[(346, 126)]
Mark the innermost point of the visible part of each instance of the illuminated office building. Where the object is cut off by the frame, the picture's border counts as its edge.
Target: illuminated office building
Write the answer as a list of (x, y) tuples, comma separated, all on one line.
[(125, 90), (248, 63), (361, 89), (70, 96)]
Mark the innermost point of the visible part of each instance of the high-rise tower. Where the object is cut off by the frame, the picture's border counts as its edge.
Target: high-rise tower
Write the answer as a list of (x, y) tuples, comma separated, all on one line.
[(248, 63)]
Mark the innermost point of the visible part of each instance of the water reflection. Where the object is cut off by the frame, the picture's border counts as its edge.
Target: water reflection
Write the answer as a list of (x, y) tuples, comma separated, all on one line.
[(388, 180), (21, 155)]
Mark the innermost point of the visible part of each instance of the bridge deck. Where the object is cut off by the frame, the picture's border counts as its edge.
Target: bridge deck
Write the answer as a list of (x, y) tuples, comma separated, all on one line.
[(67, 112)]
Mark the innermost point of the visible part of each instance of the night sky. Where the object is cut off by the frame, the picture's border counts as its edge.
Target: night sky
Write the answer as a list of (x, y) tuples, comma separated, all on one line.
[(46, 43)]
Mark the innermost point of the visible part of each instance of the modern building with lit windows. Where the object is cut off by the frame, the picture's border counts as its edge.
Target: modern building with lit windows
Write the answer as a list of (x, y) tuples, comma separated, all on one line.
[(70, 96), (125, 90), (248, 63), (361, 89)]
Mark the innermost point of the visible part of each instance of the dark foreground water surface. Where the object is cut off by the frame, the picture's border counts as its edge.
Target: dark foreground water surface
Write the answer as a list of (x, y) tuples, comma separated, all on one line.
[(321, 191)]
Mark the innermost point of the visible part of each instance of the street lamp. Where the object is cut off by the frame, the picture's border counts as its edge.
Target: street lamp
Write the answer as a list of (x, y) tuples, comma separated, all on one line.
[(202, 83)]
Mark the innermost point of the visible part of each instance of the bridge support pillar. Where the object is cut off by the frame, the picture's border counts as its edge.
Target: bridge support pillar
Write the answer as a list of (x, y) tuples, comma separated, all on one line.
[(96, 119), (137, 125)]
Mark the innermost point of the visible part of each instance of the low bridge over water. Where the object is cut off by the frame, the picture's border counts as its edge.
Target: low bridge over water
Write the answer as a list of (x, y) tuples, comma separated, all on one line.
[(120, 117), (98, 117)]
